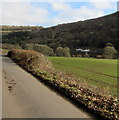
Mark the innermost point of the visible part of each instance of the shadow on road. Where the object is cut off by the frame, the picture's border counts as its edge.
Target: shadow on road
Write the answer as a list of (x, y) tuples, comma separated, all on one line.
[(3, 55)]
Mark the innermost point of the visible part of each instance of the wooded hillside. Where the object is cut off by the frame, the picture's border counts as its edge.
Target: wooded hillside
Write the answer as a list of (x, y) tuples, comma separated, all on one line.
[(89, 34)]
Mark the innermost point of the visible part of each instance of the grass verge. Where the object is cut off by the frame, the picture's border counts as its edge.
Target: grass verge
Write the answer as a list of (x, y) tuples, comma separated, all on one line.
[(4, 51)]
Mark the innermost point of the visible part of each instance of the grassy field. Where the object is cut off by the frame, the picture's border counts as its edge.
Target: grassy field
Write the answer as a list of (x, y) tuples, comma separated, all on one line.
[(97, 72)]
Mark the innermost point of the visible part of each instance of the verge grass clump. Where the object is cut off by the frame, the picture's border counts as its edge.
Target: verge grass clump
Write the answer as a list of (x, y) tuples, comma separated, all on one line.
[(92, 97)]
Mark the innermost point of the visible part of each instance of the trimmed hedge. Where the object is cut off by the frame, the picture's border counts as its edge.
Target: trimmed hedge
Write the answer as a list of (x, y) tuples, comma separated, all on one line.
[(91, 97)]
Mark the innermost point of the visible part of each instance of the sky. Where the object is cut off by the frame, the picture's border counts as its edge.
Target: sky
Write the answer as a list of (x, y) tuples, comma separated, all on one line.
[(48, 13)]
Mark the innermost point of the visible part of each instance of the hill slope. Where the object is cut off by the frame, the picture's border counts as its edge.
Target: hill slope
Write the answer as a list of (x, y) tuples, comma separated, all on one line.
[(5, 29), (93, 34)]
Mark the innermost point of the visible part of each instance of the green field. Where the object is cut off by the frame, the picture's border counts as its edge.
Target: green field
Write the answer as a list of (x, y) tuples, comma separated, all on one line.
[(97, 72)]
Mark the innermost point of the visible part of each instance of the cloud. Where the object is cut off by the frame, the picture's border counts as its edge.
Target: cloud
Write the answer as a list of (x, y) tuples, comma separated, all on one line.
[(59, 6), (105, 4), (23, 14), (68, 14)]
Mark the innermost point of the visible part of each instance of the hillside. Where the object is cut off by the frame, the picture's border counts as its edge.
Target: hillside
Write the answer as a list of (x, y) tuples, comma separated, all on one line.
[(93, 34), (5, 29)]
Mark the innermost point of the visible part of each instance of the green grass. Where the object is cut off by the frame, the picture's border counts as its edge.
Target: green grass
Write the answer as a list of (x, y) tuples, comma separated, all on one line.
[(4, 51), (97, 72)]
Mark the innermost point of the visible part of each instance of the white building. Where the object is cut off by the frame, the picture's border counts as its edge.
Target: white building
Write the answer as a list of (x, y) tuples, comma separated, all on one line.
[(85, 50)]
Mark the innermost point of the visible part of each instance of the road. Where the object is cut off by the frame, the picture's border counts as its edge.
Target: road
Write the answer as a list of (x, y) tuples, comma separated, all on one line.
[(23, 96)]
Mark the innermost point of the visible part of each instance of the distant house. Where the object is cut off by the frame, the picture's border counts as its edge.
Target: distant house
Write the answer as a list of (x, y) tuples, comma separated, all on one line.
[(83, 50)]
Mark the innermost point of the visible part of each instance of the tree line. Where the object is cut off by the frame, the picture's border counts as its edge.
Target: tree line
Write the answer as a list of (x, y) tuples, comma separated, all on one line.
[(109, 52), (44, 49)]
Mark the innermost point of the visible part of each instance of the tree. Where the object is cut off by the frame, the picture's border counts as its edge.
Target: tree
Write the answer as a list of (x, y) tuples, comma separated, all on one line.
[(109, 52), (28, 46), (67, 52), (63, 52), (109, 44), (44, 49), (59, 51)]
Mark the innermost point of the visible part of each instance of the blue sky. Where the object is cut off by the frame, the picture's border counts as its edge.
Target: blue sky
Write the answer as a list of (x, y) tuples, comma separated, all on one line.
[(52, 13)]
